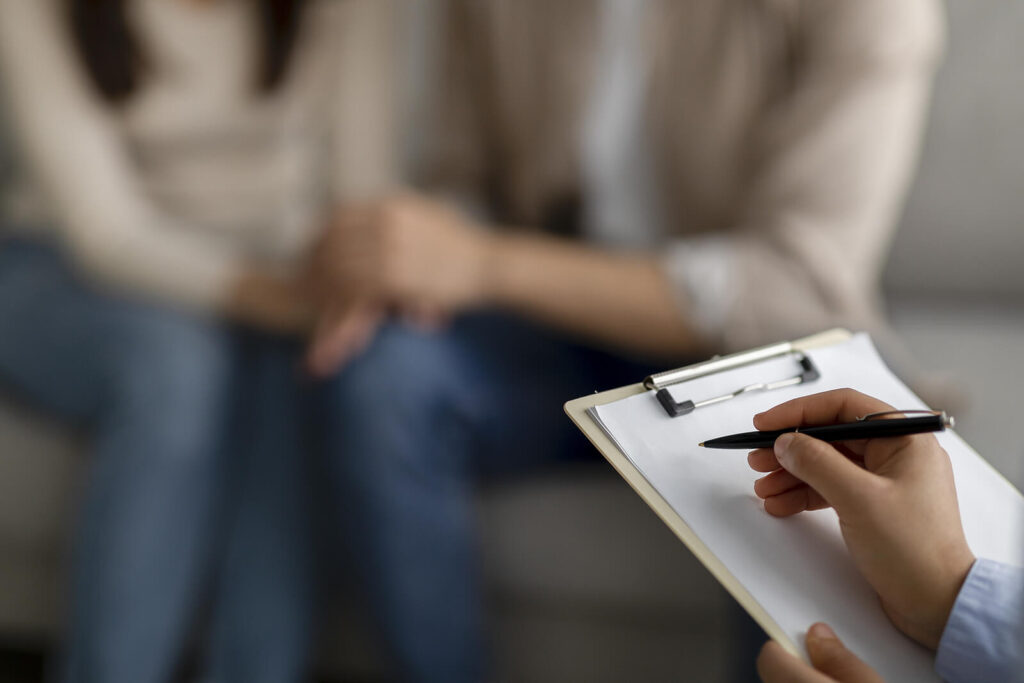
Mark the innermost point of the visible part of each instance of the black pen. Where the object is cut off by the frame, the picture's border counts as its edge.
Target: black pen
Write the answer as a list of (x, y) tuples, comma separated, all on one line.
[(864, 428)]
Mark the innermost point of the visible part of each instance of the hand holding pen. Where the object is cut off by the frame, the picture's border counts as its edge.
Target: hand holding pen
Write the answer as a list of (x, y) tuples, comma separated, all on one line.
[(895, 499)]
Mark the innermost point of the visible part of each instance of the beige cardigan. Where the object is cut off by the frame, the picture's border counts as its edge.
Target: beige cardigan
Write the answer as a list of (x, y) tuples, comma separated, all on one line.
[(788, 129)]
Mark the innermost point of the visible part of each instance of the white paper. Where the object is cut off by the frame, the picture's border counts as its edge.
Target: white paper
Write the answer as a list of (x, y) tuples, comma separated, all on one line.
[(798, 568)]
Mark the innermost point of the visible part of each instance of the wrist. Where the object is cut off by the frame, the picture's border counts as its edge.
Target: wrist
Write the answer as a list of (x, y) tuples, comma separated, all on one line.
[(948, 598), (269, 301), (247, 290), (924, 617), (489, 262)]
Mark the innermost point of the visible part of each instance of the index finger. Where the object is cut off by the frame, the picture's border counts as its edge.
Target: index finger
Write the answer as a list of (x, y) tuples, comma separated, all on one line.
[(839, 405), (341, 333)]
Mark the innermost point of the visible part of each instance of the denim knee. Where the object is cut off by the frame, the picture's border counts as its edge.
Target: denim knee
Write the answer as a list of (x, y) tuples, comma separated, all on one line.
[(173, 371), (387, 407)]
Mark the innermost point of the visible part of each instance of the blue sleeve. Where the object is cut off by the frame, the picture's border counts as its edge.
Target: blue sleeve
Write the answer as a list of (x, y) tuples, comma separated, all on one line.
[(984, 637)]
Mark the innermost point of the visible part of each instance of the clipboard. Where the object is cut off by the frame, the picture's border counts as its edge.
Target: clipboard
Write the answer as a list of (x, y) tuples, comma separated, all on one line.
[(584, 413), (577, 412)]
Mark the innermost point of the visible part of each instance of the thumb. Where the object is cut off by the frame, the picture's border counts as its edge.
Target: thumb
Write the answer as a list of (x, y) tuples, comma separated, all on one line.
[(830, 656), (823, 468)]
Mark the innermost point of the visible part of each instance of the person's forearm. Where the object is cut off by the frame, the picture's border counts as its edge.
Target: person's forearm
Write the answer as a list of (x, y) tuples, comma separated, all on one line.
[(619, 299)]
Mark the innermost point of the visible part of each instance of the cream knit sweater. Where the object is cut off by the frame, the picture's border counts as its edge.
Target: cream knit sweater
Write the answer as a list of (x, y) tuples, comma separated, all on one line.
[(171, 194)]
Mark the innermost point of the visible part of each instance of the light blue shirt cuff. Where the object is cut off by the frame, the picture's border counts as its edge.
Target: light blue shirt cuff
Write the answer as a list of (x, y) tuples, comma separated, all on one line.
[(984, 637)]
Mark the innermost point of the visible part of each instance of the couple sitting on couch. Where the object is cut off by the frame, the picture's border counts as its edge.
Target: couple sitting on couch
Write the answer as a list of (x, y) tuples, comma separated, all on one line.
[(209, 263)]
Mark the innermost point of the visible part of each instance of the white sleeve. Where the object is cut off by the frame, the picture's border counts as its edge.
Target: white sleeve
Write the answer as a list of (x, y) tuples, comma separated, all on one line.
[(705, 269), (72, 148)]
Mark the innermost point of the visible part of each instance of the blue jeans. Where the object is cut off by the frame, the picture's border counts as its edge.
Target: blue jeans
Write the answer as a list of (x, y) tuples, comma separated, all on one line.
[(417, 419), (195, 472)]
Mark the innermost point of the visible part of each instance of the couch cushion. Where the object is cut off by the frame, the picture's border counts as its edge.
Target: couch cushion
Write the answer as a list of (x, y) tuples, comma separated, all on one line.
[(41, 470), (579, 538)]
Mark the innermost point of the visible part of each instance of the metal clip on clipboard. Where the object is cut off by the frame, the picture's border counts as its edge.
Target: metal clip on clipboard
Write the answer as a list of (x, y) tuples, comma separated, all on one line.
[(660, 382)]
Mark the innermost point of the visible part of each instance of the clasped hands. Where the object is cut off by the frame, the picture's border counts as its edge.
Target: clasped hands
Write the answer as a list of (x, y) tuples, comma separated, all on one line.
[(406, 255), (898, 514), (416, 257)]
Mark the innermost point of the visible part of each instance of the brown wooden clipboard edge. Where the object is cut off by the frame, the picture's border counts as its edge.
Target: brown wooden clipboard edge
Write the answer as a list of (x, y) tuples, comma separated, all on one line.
[(577, 412)]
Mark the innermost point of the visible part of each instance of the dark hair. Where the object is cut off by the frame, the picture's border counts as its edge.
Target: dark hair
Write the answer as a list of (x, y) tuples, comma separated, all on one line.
[(113, 58)]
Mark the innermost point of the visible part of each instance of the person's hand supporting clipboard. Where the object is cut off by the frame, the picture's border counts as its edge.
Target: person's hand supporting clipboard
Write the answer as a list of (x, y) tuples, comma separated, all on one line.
[(898, 513)]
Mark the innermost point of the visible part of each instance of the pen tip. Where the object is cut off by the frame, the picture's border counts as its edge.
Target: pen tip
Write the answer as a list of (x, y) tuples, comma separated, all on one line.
[(701, 444)]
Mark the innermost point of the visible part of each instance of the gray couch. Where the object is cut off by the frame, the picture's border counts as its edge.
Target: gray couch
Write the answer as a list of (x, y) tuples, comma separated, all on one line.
[(584, 582)]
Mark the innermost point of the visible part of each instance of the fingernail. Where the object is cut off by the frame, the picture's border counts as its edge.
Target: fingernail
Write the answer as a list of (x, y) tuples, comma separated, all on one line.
[(782, 446), (822, 632)]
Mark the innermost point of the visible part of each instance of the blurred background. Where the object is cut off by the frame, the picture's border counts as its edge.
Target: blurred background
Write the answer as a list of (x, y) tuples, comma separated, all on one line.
[(583, 582), (954, 282)]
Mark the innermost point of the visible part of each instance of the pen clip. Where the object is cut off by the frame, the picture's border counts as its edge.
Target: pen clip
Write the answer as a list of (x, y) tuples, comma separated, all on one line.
[(946, 419)]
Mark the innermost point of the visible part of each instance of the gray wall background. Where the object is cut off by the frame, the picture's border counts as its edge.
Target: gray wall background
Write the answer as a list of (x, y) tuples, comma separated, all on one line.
[(955, 279), (963, 231)]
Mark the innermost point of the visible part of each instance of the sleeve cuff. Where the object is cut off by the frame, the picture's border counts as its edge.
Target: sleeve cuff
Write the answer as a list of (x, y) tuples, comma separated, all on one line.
[(983, 638), (702, 273)]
